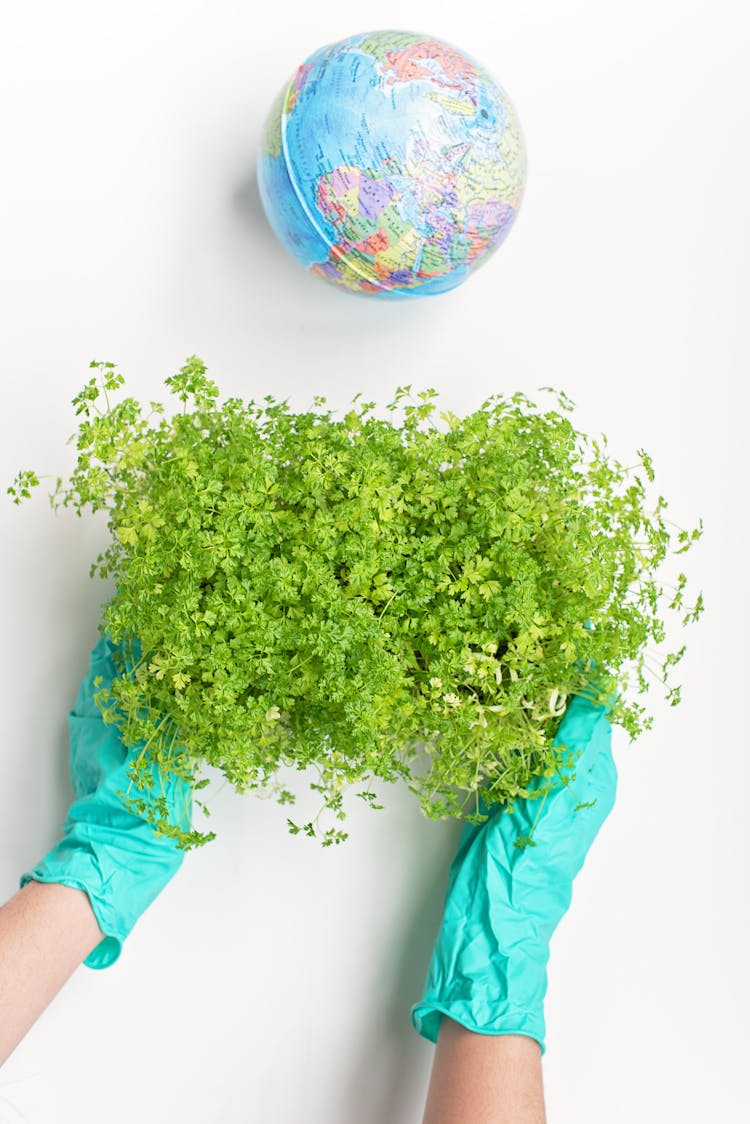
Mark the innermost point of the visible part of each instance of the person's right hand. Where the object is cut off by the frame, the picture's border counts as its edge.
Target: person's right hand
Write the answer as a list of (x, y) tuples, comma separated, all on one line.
[(106, 849), (488, 968)]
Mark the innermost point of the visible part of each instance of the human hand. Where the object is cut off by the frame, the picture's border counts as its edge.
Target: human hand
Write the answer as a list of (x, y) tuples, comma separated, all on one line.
[(503, 902), (107, 850)]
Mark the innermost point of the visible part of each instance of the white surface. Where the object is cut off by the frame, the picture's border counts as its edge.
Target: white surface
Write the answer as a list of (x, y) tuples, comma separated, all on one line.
[(272, 980)]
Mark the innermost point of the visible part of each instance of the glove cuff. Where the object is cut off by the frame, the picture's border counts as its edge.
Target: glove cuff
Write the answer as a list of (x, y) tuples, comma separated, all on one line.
[(87, 860), (490, 990), (503, 1018)]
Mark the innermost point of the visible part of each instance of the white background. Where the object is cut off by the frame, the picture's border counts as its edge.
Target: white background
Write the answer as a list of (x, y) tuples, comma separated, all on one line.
[(272, 979)]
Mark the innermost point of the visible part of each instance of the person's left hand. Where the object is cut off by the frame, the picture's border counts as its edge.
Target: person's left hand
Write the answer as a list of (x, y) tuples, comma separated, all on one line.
[(503, 902), (107, 850)]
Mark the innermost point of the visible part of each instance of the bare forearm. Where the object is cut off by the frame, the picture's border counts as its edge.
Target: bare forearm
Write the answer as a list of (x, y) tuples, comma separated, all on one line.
[(46, 931), (484, 1078)]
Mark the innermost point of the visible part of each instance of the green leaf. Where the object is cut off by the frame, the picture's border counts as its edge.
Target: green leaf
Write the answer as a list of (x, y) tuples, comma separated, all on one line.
[(373, 598)]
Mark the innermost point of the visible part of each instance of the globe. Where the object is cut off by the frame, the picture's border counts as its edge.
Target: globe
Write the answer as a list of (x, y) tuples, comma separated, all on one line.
[(391, 164)]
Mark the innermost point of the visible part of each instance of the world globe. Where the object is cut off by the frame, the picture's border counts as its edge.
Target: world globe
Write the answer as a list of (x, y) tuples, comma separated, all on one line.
[(391, 164)]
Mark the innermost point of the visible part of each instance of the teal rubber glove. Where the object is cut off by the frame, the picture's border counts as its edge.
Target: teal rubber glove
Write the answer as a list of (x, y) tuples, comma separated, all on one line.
[(489, 965), (107, 850)]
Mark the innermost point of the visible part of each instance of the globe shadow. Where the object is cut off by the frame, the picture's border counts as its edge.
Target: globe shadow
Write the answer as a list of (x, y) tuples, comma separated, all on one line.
[(248, 206)]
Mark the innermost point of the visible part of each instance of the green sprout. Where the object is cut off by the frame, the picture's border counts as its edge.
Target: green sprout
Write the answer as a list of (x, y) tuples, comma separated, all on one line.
[(372, 598)]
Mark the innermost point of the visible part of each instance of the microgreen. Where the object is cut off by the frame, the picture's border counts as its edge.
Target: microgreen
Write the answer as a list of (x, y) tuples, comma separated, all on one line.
[(367, 597)]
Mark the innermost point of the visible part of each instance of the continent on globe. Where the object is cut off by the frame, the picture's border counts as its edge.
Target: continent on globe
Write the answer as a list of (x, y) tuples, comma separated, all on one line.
[(391, 164)]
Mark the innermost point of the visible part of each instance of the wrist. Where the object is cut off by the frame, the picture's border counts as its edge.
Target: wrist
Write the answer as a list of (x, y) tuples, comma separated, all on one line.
[(76, 876), (68, 912)]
